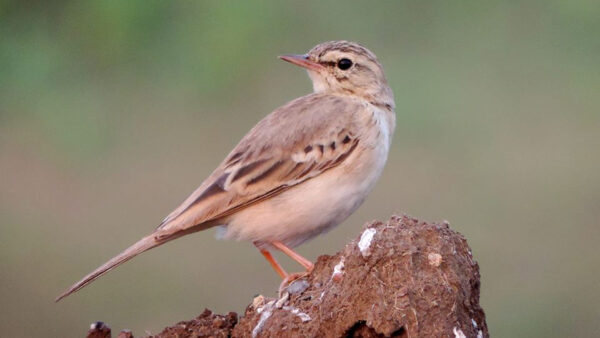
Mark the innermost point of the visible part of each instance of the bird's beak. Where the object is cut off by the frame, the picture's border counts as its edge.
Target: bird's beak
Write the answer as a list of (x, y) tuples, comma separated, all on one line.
[(302, 60)]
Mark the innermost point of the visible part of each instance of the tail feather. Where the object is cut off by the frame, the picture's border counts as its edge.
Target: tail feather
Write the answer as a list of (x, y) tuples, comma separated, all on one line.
[(140, 246)]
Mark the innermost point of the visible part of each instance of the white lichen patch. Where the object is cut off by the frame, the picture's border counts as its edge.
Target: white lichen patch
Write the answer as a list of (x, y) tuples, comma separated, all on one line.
[(365, 241), (265, 312), (338, 270), (258, 301), (458, 333), (435, 259), (303, 316), (282, 300)]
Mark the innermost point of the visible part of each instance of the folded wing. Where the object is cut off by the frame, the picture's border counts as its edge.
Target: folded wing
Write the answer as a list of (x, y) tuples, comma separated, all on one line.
[(293, 144)]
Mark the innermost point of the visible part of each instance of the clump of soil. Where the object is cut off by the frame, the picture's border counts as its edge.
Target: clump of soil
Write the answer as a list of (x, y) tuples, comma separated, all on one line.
[(207, 324), (403, 278)]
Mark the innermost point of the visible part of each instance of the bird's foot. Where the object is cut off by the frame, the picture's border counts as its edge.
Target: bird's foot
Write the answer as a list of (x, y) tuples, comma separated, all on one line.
[(290, 280)]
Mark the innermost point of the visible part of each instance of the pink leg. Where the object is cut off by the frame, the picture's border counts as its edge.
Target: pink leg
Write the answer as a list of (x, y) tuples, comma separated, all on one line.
[(274, 264), (308, 265)]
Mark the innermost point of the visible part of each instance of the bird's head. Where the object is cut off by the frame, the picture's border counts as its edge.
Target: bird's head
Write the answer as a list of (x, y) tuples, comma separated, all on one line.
[(347, 68)]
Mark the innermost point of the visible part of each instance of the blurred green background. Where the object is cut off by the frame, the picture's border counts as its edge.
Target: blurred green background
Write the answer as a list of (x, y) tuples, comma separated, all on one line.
[(111, 112)]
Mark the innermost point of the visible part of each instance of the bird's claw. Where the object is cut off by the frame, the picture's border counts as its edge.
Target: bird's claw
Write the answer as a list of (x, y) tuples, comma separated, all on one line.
[(289, 279)]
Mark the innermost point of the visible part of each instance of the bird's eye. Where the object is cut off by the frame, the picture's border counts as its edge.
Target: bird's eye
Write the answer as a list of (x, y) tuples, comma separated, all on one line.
[(344, 64)]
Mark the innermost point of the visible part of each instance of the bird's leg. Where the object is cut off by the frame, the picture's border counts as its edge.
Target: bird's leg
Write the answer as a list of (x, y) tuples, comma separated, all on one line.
[(308, 265), (287, 278), (274, 264)]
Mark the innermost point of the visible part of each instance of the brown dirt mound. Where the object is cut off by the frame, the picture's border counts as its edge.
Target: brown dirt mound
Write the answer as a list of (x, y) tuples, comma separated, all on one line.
[(403, 278)]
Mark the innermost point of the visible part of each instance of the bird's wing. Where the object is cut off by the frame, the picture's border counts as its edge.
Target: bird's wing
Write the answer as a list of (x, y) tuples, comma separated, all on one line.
[(295, 143)]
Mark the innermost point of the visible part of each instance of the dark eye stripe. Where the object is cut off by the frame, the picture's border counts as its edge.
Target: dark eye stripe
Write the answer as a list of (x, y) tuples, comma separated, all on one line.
[(328, 63)]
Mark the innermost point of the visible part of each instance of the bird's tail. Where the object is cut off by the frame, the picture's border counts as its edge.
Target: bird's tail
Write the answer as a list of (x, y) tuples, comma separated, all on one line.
[(142, 245)]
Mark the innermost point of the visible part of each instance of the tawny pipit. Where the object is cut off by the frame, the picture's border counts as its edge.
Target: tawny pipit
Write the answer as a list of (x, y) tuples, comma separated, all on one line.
[(301, 170)]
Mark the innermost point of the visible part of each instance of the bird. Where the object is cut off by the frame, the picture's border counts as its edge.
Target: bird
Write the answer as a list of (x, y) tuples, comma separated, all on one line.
[(300, 171)]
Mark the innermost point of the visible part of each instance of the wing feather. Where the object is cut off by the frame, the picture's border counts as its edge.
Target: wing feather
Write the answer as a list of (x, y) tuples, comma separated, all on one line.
[(297, 142)]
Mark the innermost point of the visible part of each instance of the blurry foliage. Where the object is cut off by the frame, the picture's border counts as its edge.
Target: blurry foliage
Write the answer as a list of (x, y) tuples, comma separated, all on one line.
[(112, 111)]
